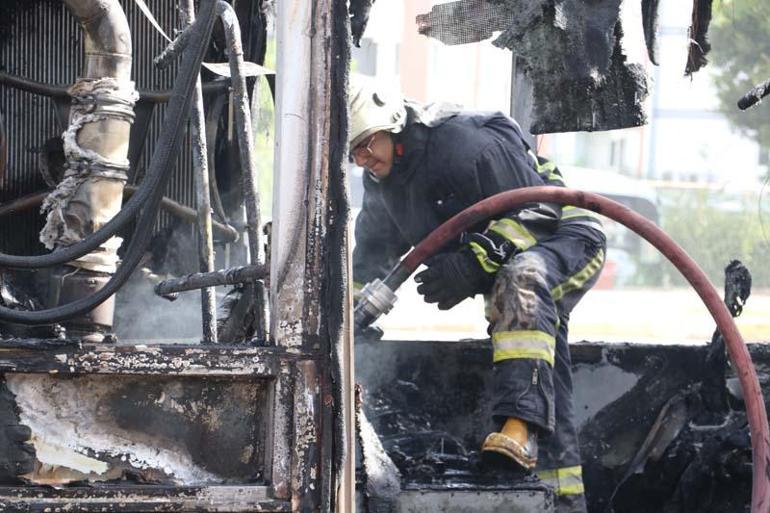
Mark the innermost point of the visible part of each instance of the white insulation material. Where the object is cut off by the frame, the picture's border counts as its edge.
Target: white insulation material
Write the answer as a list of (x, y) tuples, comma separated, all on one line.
[(71, 429)]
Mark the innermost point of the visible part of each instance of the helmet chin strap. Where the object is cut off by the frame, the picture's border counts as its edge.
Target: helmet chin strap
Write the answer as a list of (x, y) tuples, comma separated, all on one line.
[(374, 177)]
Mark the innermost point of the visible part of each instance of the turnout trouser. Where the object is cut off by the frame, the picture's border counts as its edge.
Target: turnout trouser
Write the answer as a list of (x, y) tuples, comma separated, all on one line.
[(528, 311)]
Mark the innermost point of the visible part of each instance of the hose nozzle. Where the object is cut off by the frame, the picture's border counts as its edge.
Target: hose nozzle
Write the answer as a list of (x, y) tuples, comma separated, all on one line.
[(376, 299)]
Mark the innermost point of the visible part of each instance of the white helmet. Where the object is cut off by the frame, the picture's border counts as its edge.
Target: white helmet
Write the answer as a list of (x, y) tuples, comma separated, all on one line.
[(372, 109)]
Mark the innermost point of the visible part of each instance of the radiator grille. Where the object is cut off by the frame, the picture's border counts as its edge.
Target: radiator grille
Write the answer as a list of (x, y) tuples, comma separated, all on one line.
[(44, 43)]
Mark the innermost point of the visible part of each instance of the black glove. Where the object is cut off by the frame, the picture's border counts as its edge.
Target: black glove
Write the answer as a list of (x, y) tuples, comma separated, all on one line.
[(452, 277)]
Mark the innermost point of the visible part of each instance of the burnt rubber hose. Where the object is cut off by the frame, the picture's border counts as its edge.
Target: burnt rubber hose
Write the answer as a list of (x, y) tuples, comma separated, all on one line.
[(161, 164), (173, 127), (754, 96), (736, 348)]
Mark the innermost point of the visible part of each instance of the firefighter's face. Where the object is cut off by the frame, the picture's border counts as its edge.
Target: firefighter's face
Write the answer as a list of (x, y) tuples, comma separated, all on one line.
[(375, 153)]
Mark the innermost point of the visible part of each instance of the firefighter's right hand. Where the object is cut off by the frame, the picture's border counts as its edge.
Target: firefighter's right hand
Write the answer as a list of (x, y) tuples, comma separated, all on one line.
[(452, 277)]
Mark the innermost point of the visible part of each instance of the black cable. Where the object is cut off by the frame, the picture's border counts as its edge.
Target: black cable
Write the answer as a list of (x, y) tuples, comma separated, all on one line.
[(161, 163), (217, 86), (173, 127), (754, 96)]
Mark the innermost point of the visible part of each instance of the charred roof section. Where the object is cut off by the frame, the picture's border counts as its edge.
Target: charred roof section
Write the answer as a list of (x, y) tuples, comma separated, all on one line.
[(571, 52)]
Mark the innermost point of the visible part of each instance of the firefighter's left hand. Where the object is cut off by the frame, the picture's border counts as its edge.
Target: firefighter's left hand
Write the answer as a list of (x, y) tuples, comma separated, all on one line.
[(452, 277)]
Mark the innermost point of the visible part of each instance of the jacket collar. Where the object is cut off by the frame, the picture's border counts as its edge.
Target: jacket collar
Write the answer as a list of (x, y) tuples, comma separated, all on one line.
[(412, 142)]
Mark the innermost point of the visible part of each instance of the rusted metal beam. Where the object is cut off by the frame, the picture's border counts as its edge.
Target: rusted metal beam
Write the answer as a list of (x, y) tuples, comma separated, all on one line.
[(279, 443), (179, 360), (306, 463), (242, 115), (243, 274), (203, 200), (309, 261), (145, 499)]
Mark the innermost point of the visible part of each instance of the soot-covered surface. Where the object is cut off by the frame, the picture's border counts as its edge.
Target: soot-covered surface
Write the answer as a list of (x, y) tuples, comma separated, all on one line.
[(570, 50), (654, 432), (142, 429)]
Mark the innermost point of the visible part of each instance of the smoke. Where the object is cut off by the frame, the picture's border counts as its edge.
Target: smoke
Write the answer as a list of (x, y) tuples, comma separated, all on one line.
[(142, 315)]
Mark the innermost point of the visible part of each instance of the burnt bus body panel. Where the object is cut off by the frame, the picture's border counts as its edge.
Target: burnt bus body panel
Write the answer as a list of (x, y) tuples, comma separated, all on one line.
[(430, 404)]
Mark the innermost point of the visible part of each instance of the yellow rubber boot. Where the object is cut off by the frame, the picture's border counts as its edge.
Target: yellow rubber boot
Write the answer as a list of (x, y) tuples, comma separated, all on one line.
[(515, 441)]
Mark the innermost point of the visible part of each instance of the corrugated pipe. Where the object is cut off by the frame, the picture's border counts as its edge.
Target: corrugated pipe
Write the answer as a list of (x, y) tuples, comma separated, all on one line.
[(96, 140), (96, 151), (736, 348)]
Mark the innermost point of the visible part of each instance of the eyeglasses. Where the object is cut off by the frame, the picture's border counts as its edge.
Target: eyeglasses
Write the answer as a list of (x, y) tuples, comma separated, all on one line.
[(363, 150)]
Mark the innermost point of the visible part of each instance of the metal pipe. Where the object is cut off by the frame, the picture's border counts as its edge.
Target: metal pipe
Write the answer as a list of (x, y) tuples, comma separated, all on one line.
[(164, 155), (226, 232), (201, 171), (232, 276), (96, 141), (218, 86), (96, 151), (108, 38), (736, 348), (242, 114), (291, 182)]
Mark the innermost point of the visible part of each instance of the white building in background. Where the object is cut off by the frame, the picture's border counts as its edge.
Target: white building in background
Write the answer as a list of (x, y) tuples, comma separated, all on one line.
[(686, 140)]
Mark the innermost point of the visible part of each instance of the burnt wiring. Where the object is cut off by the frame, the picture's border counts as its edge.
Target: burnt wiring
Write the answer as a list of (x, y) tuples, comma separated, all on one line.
[(160, 168), (151, 191)]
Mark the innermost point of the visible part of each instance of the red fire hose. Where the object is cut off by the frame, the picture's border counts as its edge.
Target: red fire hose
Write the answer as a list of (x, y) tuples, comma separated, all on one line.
[(736, 348)]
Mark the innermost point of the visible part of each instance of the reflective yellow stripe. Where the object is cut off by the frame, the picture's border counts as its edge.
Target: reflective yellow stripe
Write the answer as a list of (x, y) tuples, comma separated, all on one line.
[(575, 215), (577, 280), (549, 172), (546, 167), (511, 345), (484, 261), (565, 481), (569, 211), (514, 232)]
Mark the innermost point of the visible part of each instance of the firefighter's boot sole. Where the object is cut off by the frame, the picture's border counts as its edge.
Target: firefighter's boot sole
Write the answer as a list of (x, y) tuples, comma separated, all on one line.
[(500, 444)]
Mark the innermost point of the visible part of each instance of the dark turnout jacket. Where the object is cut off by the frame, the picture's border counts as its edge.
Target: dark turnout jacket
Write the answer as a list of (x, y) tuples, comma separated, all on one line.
[(446, 162)]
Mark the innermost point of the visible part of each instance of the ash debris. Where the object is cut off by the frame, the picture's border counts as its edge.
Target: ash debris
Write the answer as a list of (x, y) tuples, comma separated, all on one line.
[(699, 44), (359, 18), (697, 455), (426, 455), (17, 457)]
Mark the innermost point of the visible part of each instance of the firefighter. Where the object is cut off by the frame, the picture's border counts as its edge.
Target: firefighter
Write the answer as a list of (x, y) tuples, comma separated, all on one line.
[(426, 163)]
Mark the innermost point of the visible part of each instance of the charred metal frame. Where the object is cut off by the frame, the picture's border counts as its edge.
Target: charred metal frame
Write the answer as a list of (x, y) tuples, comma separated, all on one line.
[(306, 465), (269, 364), (201, 171)]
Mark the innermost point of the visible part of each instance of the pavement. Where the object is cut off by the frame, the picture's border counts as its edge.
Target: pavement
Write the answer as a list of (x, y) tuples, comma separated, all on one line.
[(647, 315)]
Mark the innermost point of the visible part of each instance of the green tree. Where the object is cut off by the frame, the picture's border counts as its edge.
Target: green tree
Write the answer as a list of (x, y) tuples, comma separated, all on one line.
[(740, 38), (713, 233)]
